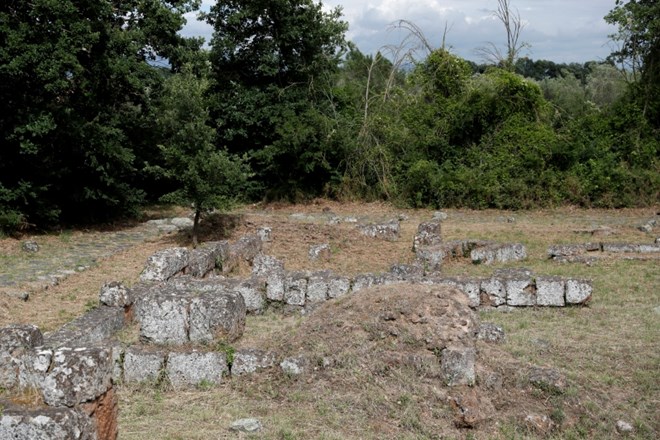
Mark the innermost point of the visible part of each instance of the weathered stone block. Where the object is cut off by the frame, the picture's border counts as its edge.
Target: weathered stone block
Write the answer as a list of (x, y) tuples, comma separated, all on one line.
[(363, 281), (164, 264), (428, 234), (493, 292), (275, 285), (620, 247), (319, 252), (94, 326), (295, 288), (470, 286), (45, 424), (430, 258), (385, 231), (498, 253), (77, 375), (566, 250), (115, 294), (264, 265), (407, 272), (142, 364), (15, 340), (490, 332), (250, 361), (550, 291), (317, 286), (202, 260), (163, 316), (216, 316), (225, 260), (338, 286), (520, 289), (294, 366), (252, 290), (457, 365), (33, 366), (117, 363), (194, 368), (578, 291), (247, 247)]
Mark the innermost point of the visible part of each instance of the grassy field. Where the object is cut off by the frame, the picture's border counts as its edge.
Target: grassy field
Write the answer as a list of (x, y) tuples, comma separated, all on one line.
[(609, 350)]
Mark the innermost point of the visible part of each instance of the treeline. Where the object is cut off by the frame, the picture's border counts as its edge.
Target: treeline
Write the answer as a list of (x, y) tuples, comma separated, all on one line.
[(282, 106)]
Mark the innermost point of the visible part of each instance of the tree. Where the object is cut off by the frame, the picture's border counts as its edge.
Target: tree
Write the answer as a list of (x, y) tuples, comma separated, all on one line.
[(207, 177), (273, 63), (638, 53), (513, 25), (76, 90)]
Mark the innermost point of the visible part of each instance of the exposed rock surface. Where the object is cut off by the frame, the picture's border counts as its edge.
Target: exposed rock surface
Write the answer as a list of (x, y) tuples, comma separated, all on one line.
[(163, 265)]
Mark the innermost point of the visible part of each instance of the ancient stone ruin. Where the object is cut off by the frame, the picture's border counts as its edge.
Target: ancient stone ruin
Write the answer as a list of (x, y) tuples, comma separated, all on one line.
[(188, 308), (591, 252)]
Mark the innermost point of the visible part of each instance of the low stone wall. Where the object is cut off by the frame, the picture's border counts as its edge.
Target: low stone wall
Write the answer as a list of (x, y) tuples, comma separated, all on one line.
[(185, 301), (586, 252)]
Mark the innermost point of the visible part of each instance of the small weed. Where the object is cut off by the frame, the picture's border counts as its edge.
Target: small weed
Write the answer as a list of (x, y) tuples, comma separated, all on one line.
[(91, 305), (205, 385), (228, 350)]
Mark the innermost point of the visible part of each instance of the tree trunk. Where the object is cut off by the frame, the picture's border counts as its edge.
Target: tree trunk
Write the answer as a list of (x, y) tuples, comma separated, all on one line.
[(195, 229)]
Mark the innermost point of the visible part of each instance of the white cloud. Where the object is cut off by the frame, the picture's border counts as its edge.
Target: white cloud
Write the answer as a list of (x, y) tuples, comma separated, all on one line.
[(559, 30)]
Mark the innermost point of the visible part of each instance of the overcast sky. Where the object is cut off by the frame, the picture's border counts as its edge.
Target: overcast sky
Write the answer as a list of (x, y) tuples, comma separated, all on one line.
[(557, 30)]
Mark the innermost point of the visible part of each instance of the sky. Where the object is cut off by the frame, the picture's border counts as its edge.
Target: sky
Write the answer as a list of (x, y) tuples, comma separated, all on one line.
[(557, 30)]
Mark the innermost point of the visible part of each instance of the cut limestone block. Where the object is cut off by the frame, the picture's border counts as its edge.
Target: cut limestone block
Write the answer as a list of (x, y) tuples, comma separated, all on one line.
[(428, 234), (77, 375), (295, 288), (163, 265), (275, 285), (550, 291), (45, 423), (294, 366), (163, 316), (94, 326), (216, 316), (14, 341), (493, 292), (115, 294), (319, 252), (195, 368), (253, 291), (33, 366), (250, 361), (143, 365), (317, 286), (407, 272), (385, 231), (202, 260), (247, 247), (363, 281), (578, 291), (457, 365), (498, 253), (338, 286), (471, 287), (520, 287), (264, 265), (430, 258), (225, 260)]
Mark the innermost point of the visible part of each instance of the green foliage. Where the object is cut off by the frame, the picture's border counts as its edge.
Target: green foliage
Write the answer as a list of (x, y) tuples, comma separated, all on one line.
[(272, 63), (75, 89), (207, 177)]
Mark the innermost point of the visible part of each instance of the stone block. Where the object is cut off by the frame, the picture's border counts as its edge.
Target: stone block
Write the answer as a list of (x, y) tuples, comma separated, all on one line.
[(490, 332), (45, 423), (143, 365), (648, 248), (194, 368), (295, 288), (225, 260), (457, 365), (520, 289), (265, 234), (318, 285), (407, 272), (430, 258), (117, 363), (294, 366), (216, 316), (33, 366), (566, 250), (96, 325), (319, 252), (250, 361), (163, 316), (182, 223), (578, 291), (363, 281), (620, 248), (498, 253), (253, 291), (264, 265), (428, 234), (164, 264), (493, 292), (384, 231), (15, 340), (115, 294), (77, 375), (275, 285), (550, 291), (247, 247), (338, 286), (202, 260)]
